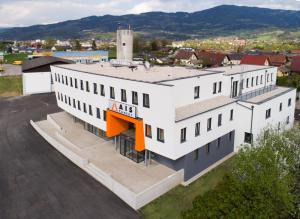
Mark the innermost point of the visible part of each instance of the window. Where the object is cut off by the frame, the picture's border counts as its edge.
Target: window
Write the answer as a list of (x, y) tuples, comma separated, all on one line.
[(207, 148), (196, 92), (252, 81), (87, 86), (104, 115), (66, 80), (102, 91), (84, 107), (98, 113), (209, 124), (66, 101), (287, 120), (289, 102), (215, 88), (219, 143), (271, 76), (267, 77), (257, 80), (183, 135), (55, 75), (146, 100), (268, 113), (95, 88), (69, 100), (62, 79), (112, 92), (75, 80), (280, 107), (247, 83), (220, 87), (261, 79), (74, 103), (230, 136), (196, 154), (148, 131), (219, 120), (58, 96), (248, 138), (81, 84), (123, 95), (58, 77), (71, 82), (197, 129), (61, 97), (134, 98), (160, 135), (78, 105), (90, 110), (231, 115)]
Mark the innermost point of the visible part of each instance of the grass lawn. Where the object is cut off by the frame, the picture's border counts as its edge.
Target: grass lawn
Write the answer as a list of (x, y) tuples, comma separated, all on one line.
[(180, 198), (10, 58), (10, 86)]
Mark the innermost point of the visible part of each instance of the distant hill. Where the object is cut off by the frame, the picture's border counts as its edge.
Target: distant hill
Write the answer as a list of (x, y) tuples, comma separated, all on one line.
[(219, 21)]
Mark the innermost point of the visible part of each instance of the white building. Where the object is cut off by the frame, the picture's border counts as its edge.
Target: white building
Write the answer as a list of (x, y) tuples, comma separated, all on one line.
[(183, 118)]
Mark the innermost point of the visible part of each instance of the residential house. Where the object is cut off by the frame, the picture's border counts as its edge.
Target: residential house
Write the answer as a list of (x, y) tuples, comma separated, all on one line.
[(212, 59), (185, 57), (295, 65), (235, 58), (255, 60)]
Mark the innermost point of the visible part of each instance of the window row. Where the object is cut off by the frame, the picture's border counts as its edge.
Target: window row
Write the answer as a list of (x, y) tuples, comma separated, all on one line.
[(268, 111), (251, 82), (100, 89), (160, 133)]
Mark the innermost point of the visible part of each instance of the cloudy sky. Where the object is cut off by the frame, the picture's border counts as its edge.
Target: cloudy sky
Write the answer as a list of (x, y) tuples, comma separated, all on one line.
[(29, 12)]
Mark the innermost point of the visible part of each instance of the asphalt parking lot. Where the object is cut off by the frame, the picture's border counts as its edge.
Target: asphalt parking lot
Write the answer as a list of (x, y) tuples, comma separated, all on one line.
[(36, 181)]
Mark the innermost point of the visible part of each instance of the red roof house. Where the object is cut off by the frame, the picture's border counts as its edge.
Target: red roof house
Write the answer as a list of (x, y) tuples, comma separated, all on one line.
[(255, 60), (212, 59), (295, 65), (185, 56), (278, 60)]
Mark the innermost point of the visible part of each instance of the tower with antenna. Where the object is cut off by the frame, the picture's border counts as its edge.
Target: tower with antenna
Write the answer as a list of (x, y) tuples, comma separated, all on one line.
[(124, 44)]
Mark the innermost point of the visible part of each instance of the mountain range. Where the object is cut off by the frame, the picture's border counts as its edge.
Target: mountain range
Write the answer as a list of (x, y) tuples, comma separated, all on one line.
[(222, 20)]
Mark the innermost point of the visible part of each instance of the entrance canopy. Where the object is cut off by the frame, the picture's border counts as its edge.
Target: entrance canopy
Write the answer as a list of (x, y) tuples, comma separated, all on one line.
[(117, 123)]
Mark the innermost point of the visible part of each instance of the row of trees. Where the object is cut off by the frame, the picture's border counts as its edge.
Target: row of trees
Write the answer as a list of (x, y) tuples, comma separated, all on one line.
[(264, 182)]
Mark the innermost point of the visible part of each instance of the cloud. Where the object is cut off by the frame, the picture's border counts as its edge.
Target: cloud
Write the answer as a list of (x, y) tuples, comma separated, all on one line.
[(29, 12)]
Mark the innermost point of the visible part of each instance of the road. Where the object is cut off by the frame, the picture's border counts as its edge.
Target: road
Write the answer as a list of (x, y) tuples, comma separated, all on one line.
[(36, 181), (10, 70)]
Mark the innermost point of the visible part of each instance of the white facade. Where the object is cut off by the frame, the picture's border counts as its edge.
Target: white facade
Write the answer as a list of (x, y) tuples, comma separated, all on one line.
[(124, 45), (235, 98), (37, 82)]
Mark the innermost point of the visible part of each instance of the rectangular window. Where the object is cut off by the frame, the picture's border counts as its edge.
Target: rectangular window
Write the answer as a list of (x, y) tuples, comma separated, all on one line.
[(220, 87), (66, 101), (134, 98), (98, 113), (104, 115), (209, 124), (78, 105), (84, 107), (271, 76), (69, 100), (58, 96), (90, 110), (61, 97), (247, 83), (267, 77), (62, 79), (95, 88), (146, 100), (207, 148), (280, 107), (196, 154), (81, 85), (102, 91), (219, 143), (123, 95), (248, 138), (55, 75), (71, 82), (219, 120), (76, 85), (66, 80), (112, 93), (215, 88), (87, 86), (183, 135), (160, 135), (74, 103), (257, 82), (289, 102), (148, 131), (287, 120), (261, 79), (196, 92), (197, 129), (268, 113), (230, 136), (252, 81), (231, 115), (58, 77)]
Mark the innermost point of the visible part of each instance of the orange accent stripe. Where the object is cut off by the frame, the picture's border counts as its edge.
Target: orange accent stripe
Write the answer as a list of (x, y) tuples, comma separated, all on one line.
[(117, 123)]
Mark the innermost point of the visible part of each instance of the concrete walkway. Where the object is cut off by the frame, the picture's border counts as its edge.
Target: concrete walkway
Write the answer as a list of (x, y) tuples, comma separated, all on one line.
[(136, 184)]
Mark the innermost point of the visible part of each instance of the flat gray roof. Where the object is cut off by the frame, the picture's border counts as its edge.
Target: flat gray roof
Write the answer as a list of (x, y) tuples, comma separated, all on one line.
[(156, 74), (239, 69), (195, 109)]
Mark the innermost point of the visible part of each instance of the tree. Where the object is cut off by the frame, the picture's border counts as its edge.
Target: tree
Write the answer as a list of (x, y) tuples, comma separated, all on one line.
[(154, 45), (262, 183), (94, 46), (77, 45), (49, 43)]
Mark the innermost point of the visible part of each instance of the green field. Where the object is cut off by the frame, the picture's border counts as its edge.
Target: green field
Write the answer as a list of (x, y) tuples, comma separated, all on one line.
[(10, 58), (10, 86), (180, 198)]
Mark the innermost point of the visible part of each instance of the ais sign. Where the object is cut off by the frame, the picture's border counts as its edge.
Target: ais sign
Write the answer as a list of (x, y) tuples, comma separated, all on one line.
[(123, 108)]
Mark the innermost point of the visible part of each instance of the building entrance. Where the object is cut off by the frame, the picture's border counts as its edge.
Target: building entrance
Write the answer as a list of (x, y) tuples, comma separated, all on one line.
[(127, 148)]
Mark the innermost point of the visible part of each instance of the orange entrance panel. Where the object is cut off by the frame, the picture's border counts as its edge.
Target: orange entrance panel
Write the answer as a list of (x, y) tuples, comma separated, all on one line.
[(117, 123)]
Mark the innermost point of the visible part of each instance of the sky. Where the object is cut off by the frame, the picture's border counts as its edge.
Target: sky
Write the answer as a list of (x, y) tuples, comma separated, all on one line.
[(16, 13)]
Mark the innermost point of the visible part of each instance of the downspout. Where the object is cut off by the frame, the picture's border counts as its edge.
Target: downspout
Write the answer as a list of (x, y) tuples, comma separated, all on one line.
[(231, 87), (251, 127)]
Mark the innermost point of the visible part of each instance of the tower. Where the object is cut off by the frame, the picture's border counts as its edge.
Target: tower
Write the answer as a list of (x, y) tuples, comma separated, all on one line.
[(124, 44)]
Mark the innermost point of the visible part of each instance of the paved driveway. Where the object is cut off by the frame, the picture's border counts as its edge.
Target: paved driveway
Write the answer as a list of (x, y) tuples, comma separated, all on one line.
[(36, 181)]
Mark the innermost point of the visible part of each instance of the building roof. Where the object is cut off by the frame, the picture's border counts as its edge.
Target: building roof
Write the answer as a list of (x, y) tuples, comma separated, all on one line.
[(195, 109), (235, 56), (43, 61), (277, 60), (211, 58), (184, 54), (254, 59), (80, 53), (295, 65)]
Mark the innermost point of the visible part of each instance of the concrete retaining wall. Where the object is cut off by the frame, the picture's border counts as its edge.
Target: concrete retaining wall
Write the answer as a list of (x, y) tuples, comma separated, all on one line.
[(134, 200)]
